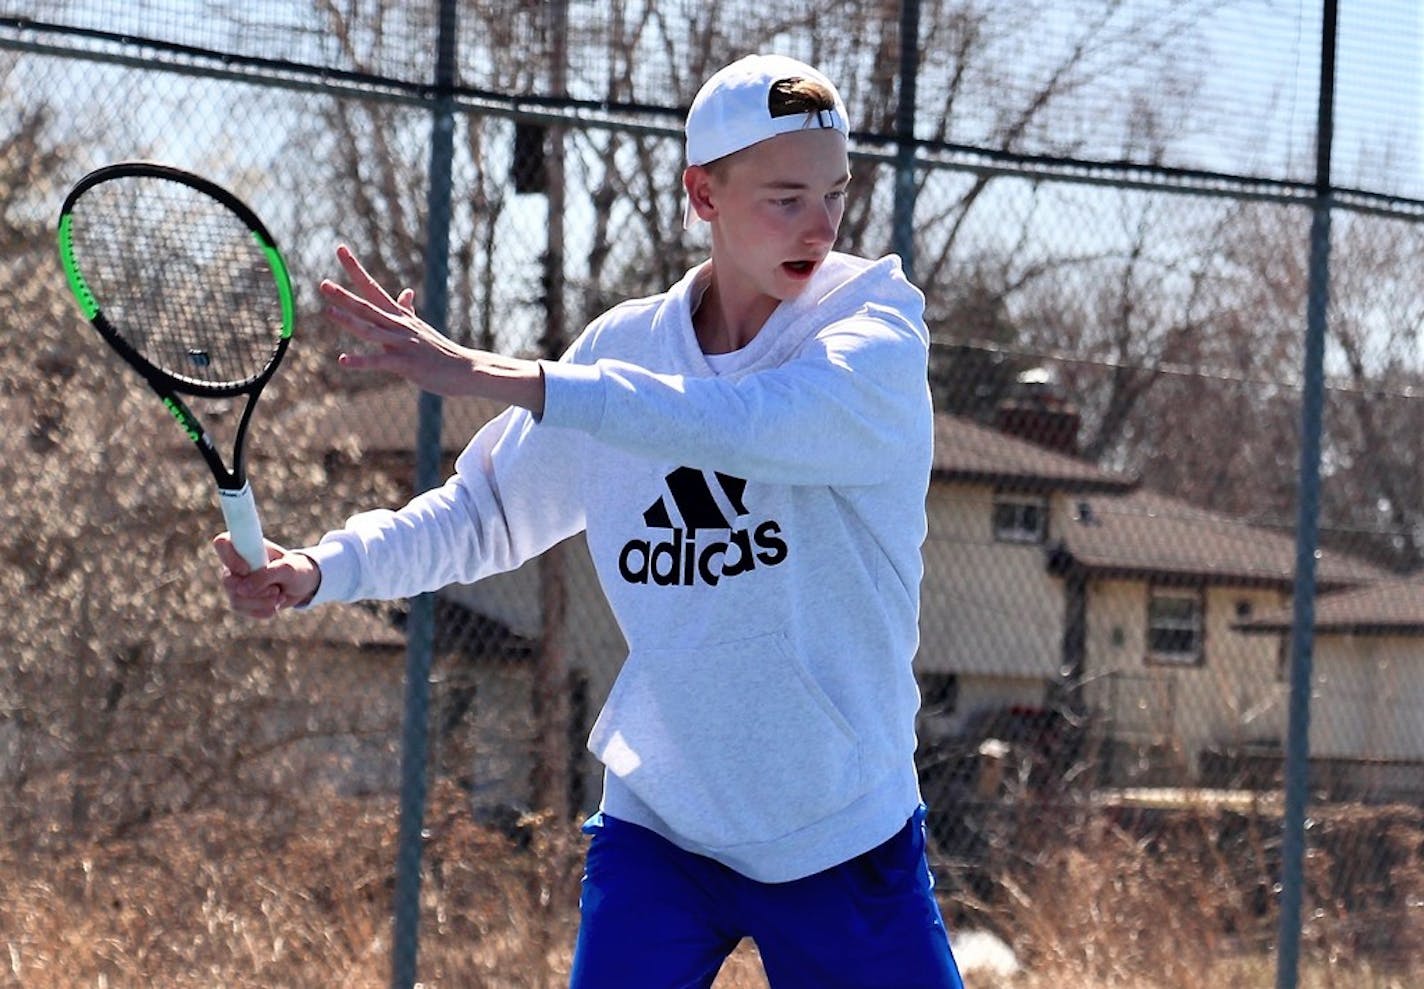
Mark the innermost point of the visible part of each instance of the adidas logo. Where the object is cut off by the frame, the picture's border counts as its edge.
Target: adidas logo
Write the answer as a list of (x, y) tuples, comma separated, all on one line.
[(694, 504)]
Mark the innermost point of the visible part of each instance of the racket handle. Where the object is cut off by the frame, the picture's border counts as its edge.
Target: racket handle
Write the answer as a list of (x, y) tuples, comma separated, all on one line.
[(239, 509)]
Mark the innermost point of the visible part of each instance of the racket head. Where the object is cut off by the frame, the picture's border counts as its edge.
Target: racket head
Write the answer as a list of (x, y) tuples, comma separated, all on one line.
[(179, 276)]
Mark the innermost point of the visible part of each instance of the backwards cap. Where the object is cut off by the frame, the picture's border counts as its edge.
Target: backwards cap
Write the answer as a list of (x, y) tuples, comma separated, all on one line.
[(732, 110)]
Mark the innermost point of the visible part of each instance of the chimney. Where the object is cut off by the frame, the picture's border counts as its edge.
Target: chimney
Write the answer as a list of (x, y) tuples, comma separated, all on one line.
[(1037, 410)]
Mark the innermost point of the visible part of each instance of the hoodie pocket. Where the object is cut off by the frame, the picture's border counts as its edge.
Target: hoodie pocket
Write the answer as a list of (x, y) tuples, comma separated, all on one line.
[(730, 744)]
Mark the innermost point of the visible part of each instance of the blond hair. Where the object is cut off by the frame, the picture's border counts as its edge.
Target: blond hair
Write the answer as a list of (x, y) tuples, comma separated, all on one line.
[(786, 98), (792, 96)]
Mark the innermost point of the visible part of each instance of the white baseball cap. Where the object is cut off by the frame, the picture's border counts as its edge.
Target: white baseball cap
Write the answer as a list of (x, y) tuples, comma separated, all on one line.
[(732, 111)]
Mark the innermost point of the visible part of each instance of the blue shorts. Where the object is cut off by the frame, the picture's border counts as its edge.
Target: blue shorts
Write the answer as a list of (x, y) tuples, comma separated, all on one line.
[(657, 917)]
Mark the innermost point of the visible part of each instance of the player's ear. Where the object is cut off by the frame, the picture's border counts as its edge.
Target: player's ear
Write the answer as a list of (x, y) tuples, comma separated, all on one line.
[(698, 183)]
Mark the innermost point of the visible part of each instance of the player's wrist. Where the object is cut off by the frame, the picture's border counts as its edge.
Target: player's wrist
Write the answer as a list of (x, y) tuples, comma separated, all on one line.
[(512, 380), (314, 573)]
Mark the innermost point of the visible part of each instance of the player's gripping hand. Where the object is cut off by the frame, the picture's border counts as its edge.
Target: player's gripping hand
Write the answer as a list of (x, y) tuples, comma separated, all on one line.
[(288, 579)]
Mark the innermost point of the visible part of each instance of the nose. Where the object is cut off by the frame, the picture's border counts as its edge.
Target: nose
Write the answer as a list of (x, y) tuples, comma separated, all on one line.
[(822, 226)]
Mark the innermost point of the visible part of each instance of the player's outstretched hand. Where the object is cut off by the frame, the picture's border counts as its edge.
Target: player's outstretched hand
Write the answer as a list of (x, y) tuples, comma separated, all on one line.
[(287, 580), (400, 342)]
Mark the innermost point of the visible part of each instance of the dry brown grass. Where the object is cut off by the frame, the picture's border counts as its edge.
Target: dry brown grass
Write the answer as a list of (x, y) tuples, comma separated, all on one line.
[(219, 900), (214, 899), (1187, 898), (222, 900)]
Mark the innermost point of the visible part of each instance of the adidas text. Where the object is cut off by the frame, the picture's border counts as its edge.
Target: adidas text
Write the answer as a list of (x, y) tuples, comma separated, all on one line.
[(681, 561)]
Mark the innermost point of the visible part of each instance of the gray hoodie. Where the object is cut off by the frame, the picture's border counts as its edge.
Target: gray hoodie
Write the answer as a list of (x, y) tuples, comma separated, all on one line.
[(756, 527)]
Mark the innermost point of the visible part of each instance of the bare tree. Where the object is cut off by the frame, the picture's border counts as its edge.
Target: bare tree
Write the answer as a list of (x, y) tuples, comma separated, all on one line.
[(126, 692), (1373, 479)]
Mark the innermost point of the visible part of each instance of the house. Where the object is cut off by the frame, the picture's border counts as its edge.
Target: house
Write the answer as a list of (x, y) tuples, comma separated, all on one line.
[(1050, 584), (1367, 697), (1053, 584), (992, 613)]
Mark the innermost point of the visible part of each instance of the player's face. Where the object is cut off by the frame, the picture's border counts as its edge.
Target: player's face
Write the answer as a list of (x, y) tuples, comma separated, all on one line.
[(776, 209)]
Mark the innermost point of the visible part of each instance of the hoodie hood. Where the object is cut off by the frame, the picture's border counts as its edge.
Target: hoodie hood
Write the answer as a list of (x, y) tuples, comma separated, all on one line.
[(842, 287)]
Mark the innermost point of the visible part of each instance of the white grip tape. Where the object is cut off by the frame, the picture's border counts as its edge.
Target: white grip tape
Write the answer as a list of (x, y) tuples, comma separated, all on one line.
[(239, 509)]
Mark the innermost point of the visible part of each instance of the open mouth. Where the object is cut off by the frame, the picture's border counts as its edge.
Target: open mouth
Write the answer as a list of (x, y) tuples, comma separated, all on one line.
[(799, 268)]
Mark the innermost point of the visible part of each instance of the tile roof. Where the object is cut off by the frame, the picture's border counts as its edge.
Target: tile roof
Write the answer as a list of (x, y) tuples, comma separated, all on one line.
[(968, 452), (1394, 607), (1149, 534)]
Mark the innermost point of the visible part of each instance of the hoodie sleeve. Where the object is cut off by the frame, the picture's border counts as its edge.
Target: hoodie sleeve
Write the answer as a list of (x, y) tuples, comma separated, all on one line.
[(516, 491), (844, 410), (514, 494)]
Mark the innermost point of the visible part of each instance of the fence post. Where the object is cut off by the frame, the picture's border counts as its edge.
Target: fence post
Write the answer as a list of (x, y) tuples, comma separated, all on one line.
[(420, 629), (1297, 769), (903, 222), (551, 668)]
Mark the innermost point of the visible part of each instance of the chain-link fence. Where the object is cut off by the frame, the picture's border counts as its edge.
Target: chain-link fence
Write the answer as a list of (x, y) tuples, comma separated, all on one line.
[(1112, 207)]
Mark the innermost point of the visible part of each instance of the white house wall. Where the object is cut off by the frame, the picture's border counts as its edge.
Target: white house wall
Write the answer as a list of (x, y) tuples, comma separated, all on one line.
[(1368, 698), (987, 607), (996, 692), (1235, 695)]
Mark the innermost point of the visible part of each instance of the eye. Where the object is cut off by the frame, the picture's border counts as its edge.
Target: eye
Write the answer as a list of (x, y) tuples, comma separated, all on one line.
[(787, 201)]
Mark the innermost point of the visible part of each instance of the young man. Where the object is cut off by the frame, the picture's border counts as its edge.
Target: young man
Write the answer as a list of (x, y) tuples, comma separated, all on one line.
[(748, 454)]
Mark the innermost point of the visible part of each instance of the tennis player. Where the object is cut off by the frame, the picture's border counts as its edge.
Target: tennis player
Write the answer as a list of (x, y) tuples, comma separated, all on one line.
[(748, 454)]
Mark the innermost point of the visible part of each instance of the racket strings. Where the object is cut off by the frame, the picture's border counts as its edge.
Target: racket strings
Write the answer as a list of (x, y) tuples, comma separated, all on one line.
[(182, 279)]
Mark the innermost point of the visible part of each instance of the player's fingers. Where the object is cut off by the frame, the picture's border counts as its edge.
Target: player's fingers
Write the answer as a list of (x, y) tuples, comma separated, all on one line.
[(264, 592), (229, 556), (341, 301), (288, 599), (381, 362), (357, 362), (362, 320), (367, 286), (243, 601), (254, 593), (261, 607), (266, 581)]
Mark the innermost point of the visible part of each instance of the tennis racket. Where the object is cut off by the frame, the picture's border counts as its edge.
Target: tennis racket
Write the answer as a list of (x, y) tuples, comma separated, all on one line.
[(187, 285)]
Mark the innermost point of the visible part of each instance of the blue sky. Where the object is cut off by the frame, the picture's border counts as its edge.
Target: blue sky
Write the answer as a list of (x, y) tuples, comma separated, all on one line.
[(1379, 98), (1269, 60)]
